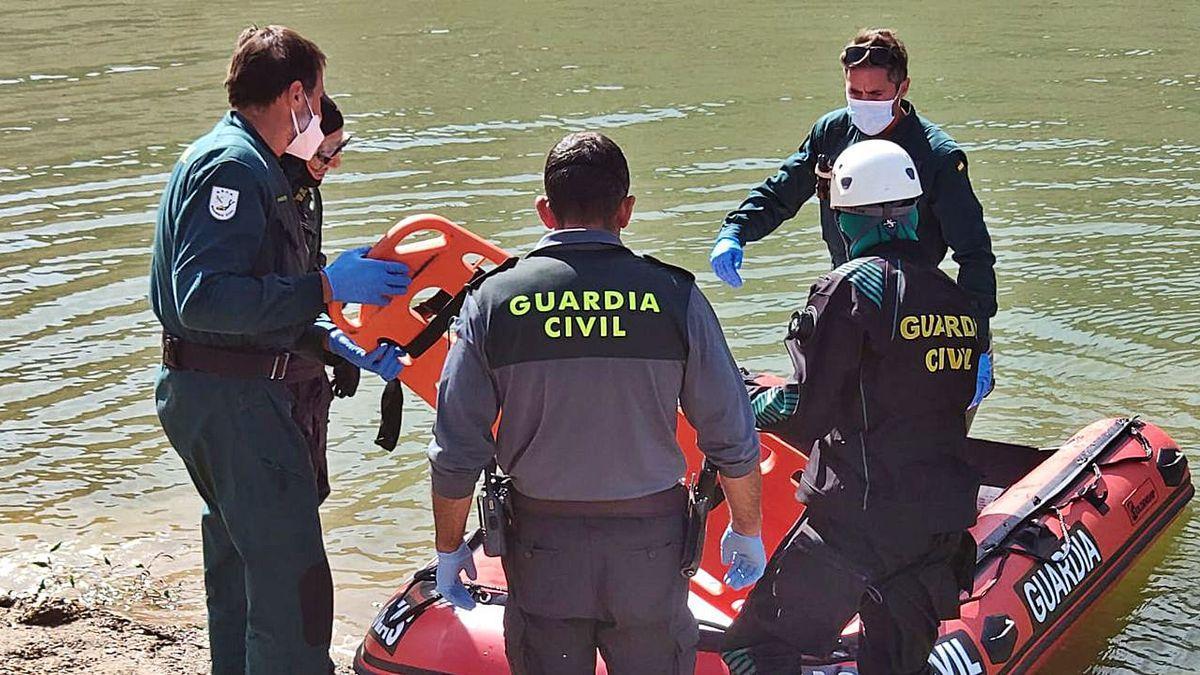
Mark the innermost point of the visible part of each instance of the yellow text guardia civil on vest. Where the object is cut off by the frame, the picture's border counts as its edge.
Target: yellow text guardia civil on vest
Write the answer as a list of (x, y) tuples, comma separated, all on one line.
[(598, 311), (929, 326)]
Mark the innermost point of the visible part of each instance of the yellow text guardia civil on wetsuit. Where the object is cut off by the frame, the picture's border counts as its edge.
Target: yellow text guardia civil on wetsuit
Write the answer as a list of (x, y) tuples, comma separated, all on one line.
[(928, 326), (562, 324)]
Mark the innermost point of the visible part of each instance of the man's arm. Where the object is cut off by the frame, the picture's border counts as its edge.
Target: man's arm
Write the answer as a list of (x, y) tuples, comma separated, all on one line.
[(214, 279), (744, 495), (961, 216), (826, 354), (463, 443), (449, 521), (713, 399), (777, 199)]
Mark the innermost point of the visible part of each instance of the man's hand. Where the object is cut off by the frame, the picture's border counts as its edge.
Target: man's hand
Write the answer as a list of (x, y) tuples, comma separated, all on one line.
[(345, 379), (354, 277), (742, 546), (746, 557), (386, 360), (449, 585), (726, 260)]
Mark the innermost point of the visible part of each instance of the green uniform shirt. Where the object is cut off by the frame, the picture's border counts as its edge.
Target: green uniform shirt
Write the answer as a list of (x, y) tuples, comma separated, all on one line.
[(230, 265), (950, 215)]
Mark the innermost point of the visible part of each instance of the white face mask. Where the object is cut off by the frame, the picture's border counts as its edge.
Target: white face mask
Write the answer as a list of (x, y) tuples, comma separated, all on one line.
[(871, 117), (306, 142)]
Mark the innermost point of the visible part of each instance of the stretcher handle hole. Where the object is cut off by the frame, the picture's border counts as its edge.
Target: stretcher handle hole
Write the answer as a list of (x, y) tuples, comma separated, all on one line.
[(422, 303), (414, 241), (352, 313), (475, 260)]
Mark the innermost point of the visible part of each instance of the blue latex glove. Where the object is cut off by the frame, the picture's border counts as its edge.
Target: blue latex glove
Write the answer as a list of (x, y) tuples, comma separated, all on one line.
[(384, 360), (984, 381), (745, 556), (449, 585), (726, 260), (354, 277)]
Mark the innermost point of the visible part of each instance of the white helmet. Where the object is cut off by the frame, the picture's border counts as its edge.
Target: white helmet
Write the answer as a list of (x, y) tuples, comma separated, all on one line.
[(873, 172)]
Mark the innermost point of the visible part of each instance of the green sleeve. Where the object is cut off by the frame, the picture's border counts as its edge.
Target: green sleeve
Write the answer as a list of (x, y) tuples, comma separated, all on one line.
[(778, 198), (961, 217), (218, 237)]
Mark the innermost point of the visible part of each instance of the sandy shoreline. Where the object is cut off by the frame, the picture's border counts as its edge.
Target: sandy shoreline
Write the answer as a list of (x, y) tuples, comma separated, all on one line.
[(56, 634), (129, 624)]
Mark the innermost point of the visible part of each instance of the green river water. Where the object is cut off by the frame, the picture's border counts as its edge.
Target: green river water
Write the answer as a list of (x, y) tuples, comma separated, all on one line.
[(1080, 119)]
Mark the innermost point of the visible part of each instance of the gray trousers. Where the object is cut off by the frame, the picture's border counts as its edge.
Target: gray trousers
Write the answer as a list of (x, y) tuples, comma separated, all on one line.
[(578, 584)]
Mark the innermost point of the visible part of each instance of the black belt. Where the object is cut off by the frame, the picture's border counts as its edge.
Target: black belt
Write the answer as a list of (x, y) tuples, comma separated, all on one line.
[(183, 355), (669, 502)]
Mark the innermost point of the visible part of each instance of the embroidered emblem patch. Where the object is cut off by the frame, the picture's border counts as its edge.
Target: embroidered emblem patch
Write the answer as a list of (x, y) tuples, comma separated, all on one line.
[(223, 203)]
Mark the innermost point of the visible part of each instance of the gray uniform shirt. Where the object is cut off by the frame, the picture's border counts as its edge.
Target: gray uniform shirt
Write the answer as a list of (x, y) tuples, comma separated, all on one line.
[(588, 428)]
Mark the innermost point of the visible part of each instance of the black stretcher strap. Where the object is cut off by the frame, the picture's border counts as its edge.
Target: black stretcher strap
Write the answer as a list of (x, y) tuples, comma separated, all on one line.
[(440, 310)]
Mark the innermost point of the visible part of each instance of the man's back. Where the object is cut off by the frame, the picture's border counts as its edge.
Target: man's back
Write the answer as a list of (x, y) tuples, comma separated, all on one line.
[(886, 372), (587, 346), (228, 243)]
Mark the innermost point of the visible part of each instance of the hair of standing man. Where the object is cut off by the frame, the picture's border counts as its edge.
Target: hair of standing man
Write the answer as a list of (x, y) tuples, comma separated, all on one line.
[(884, 37), (266, 61), (586, 178)]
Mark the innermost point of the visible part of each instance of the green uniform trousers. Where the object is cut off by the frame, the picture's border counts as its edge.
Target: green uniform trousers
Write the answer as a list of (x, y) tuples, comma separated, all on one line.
[(270, 594)]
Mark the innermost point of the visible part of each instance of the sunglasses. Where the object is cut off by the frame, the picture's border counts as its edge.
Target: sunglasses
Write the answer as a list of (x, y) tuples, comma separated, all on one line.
[(326, 159), (855, 55)]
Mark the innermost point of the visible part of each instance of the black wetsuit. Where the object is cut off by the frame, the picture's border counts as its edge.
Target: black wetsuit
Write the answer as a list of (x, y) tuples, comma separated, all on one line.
[(885, 353)]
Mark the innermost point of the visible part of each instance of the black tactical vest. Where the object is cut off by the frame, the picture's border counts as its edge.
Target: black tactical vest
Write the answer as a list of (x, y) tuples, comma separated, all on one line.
[(585, 300)]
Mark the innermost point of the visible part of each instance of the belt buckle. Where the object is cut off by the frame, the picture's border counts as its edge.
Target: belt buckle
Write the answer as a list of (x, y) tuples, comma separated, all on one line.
[(279, 366)]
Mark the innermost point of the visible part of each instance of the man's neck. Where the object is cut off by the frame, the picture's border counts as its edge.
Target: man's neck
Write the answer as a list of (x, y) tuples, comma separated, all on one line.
[(276, 135), (590, 228)]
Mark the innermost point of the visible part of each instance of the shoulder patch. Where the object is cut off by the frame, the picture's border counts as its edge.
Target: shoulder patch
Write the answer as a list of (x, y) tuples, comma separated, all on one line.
[(866, 276), (222, 203)]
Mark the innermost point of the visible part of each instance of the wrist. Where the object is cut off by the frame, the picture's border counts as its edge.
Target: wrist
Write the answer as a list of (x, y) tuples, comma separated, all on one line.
[(447, 548), (746, 529)]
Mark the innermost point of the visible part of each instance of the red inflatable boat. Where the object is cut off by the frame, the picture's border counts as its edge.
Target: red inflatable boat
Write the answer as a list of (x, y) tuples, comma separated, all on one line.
[(1065, 526)]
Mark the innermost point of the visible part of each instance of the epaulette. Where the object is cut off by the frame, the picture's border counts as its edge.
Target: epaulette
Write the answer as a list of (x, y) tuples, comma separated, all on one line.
[(866, 275), (674, 268)]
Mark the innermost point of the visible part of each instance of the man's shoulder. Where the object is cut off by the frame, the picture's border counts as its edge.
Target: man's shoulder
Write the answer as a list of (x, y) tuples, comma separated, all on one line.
[(226, 149), (835, 122), (680, 274), (866, 274), (941, 144)]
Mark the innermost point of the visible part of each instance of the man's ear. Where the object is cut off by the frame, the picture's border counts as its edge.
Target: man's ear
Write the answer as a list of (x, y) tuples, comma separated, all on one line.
[(625, 212), (903, 89), (542, 204), (295, 95)]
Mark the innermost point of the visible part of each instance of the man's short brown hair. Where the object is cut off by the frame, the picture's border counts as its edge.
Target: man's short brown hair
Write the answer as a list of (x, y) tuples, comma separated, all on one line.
[(266, 61), (586, 178), (883, 37)]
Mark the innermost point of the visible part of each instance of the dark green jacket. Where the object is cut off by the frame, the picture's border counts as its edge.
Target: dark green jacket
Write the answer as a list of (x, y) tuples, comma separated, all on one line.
[(950, 215), (230, 266)]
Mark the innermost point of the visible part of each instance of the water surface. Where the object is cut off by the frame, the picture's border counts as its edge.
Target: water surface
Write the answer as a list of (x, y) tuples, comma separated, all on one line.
[(1080, 119)]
